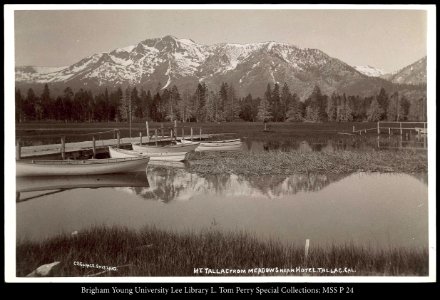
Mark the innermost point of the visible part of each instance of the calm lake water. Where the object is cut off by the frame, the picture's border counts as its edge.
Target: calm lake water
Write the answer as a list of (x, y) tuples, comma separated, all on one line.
[(371, 209), (342, 142)]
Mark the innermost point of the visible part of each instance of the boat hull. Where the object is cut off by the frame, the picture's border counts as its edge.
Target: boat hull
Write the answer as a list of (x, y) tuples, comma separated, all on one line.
[(224, 145), (165, 149), (165, 156), (234, 147), (80, 167)]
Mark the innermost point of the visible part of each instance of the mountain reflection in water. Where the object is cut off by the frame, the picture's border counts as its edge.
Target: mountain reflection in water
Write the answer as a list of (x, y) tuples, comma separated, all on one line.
[(168, 184)]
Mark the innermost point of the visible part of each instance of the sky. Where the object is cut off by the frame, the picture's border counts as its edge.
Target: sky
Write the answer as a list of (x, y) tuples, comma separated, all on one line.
[(386, 39)]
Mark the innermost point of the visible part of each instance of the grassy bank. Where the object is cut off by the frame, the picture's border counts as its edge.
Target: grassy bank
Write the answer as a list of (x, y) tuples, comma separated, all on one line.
[(152, 252), (294, 161)]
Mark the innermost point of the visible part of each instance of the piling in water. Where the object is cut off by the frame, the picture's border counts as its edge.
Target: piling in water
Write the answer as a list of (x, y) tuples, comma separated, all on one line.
[(18, 150), (63, 147)]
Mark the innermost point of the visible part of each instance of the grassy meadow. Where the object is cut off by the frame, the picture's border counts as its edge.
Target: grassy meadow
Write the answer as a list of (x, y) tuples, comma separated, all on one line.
[(153, 252)]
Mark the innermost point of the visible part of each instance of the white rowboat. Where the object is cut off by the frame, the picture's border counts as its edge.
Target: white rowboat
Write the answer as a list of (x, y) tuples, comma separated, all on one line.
[(163, 149), (80, 167), (224, 145), (165, 156)]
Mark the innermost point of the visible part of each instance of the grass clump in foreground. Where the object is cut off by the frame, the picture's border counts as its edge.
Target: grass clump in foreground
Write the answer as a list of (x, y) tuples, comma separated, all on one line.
[(153, 252), (278, 162)]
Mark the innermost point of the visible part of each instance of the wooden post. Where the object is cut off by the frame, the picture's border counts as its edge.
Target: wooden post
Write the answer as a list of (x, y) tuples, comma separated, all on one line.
[(389, 130), (306, 249), (63, 147), (200, 133), (18, 150), (378, 128), (140, 138), (353, 128), (191, 134), (118, 137), (171, 134), (94, 146), (161, 130), (155, 134), (148, 130), (400, 128)]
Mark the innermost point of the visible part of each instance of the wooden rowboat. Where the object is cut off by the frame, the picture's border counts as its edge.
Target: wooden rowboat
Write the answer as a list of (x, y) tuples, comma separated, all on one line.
[(164, 156), (215, 143), (164, 149), (224, 145), (80, 167)]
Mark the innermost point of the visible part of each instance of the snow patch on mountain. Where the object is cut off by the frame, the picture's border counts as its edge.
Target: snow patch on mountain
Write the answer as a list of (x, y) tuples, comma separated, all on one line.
[(370, 71)]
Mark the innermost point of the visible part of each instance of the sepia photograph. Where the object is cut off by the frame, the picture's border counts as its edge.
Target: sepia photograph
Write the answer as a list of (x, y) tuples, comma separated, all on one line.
[(188, 143)]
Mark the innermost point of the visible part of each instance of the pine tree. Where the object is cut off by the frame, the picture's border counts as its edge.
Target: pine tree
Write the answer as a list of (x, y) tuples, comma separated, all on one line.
[(332, 107), (375, 112), (125, 105), (232, 106), (275, 98), (199, 102), (18, 106), (46, 103), (115, 100), (222, 104), (393, 107), (107, 107), (211, 109), (264, 113), (184, 107), (312, 113), (315, 106), (383, 99), (67, 99), (136, 105), (174, 98), (30, 105), (286, 98), (404, 108), (294, 111)]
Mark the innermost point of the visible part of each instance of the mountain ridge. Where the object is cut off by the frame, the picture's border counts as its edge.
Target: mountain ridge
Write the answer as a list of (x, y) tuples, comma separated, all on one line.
[(159, 63)]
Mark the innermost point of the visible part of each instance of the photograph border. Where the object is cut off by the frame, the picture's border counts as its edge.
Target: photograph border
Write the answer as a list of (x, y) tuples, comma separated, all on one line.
[(9, 147)]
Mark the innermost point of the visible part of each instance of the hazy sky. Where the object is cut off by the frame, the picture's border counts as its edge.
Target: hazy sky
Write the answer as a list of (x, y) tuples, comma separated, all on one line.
[(387, 39)]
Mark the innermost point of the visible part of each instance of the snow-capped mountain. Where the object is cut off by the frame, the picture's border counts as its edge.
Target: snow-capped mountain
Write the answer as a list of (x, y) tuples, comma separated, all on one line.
[(413, 74), (370, 71), (160, 63)]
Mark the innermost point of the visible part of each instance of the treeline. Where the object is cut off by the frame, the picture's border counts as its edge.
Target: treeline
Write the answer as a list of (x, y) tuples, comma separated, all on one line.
[(278, 104)]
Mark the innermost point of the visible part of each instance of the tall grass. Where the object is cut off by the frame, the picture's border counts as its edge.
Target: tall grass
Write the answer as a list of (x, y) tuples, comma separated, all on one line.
[(153, 252), (294, 161)]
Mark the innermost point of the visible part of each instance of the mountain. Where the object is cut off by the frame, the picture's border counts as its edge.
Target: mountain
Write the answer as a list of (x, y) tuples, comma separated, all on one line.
[(159, 63), (370, 71), (414, 74)]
